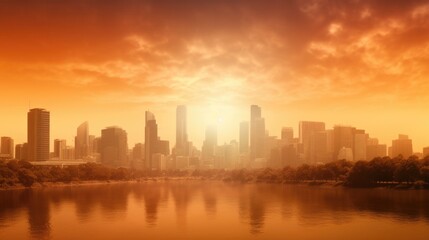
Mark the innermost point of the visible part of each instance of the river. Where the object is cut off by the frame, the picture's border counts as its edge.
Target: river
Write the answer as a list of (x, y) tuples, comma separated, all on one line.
[(212, 210)]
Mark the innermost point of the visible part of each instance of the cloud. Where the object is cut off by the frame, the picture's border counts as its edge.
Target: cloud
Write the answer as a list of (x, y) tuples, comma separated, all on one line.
[(242, 51)]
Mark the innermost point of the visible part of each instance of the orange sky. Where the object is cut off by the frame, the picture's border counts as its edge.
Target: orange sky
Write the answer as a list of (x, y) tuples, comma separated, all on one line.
[(361, 63)]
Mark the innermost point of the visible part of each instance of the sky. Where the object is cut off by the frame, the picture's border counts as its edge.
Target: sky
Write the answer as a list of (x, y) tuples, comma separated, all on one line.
[(349, 62)]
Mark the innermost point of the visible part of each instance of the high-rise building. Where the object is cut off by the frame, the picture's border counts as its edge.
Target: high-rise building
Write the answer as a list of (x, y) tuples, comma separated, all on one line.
[(7, 147), (69, 153), (425, 152), (257, 133), (96, 145), (374, 149), (138, 152), (21, 151), (163, 147), (402, 146), (288, 155), (151, 138), (360, 146), (244, 137), (38, 121), (181, 132), (82, 141), (381, 150), (319, 147), (227, 155), (18, 152), (158, 162), (91, 139), (287, 135), (209, 144), (307, 130), (345, 153), (60, 149), (343, 138), (113, 146)]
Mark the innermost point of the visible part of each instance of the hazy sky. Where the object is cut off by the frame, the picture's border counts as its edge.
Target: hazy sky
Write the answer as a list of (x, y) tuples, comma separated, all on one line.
[(359, 63)]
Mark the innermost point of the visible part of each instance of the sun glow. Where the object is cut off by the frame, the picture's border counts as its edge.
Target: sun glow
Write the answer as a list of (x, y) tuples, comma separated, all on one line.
[(226, 118)]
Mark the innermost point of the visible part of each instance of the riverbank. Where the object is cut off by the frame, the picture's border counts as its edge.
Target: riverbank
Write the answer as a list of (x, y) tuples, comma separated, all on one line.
[(325, 184)]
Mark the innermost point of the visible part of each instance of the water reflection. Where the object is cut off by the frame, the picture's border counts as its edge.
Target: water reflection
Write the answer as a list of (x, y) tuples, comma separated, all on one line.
[(38, 214), (252, 205)]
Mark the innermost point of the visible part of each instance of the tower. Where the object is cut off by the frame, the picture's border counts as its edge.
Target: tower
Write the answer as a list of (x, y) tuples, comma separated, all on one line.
[(181, 134), (38, 121)]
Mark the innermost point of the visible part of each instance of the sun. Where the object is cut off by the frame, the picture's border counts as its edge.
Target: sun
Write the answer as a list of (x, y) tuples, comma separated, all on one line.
[(226, 118)]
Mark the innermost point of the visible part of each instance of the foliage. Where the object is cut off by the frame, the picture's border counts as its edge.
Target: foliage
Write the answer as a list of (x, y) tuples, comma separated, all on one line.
[(357, 174), (26, 177)]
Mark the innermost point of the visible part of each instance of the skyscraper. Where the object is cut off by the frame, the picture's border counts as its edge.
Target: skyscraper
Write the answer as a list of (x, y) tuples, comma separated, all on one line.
[(82, 141), (360, 146), (344, 138), (244, 137), (257, 133), (209, 144), (7, 147), (151, 139), (181, 134), (402, 146), (307, 131), (38, 121), (114, 146)]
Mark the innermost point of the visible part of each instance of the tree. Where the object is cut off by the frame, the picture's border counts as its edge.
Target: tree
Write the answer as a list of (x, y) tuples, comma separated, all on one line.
[(383, 169), (361, 175), (26, 177), (407, 170), (304, 172), (424, 173)]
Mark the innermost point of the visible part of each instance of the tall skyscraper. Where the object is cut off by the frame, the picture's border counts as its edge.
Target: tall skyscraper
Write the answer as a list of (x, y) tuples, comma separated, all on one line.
[(182, 147), (7, 147), (38, 121), (307, 131), (244, 137), (82, 141), (151, 139), (114, 146), (257, 133), (402, 146)]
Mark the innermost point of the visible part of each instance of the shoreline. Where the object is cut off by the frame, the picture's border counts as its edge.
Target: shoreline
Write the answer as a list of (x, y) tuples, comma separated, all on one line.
[(393, 186)]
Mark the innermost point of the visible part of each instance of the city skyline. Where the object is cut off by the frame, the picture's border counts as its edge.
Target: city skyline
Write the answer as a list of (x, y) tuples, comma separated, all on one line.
[(177, 119), (359, 64), (254, 147), (83, 128)]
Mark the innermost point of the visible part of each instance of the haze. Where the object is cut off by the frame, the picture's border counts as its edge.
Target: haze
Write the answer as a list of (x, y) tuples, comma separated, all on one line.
[(362, 63)]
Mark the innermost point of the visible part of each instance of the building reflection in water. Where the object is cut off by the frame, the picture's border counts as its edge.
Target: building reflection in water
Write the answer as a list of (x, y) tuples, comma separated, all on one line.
[(210, 200), (153, 195), (38, 214), (254, 203)]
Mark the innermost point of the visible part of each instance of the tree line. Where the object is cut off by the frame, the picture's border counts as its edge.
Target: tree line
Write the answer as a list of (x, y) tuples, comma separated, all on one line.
[(379, 171)]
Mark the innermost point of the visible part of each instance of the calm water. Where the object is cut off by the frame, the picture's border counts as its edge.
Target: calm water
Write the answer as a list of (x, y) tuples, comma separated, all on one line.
[(211, 210)]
